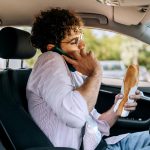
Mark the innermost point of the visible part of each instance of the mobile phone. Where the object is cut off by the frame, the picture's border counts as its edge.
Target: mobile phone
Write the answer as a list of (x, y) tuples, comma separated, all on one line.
[(61, 52)]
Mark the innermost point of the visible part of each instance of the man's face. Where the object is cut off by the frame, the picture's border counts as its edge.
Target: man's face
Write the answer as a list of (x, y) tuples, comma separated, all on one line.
[(73, 42)]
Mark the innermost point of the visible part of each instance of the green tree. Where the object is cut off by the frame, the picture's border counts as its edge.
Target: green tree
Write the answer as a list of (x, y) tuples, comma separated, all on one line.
[(144, 56), (104, 47)]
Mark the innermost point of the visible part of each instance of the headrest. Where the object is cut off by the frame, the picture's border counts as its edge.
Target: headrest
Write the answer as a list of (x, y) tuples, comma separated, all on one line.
[(15, 44)]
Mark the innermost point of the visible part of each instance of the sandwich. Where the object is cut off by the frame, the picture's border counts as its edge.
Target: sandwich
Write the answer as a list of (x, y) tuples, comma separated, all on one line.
[(129, 87)]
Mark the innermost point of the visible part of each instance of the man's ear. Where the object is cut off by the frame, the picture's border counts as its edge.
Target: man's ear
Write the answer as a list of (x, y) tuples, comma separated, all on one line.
[(50, 46)]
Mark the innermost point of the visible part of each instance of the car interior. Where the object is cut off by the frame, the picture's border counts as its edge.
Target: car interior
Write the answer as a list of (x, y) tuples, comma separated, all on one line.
[(23, 132), (17, 129)]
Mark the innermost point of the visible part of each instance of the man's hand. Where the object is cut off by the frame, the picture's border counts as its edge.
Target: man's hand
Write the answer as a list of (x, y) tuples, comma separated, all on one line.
[(84, 62), (111, 117), (87, 64), (130, 106)]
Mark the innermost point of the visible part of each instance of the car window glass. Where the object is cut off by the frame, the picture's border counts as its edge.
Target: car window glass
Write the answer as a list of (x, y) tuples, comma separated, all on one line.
[(114, 52)]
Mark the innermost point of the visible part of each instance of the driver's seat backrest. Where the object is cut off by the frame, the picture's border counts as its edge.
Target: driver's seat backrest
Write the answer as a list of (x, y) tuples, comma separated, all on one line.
[(23, 132)]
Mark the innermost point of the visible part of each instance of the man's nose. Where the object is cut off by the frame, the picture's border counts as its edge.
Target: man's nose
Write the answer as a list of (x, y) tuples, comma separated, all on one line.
[(81, 44)]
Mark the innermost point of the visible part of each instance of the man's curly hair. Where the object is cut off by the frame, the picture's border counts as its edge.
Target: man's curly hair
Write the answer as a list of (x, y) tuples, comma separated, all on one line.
[(52, 26)]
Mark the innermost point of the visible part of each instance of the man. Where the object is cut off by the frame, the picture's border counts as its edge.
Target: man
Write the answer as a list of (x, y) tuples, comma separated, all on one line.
[(62, 102)]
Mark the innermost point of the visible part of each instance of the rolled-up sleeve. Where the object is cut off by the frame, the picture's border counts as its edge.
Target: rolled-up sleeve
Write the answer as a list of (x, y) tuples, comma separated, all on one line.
[(103, 126), (56, 88)]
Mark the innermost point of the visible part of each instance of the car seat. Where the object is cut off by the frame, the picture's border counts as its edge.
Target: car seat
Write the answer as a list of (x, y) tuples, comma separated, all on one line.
[(16, 123)]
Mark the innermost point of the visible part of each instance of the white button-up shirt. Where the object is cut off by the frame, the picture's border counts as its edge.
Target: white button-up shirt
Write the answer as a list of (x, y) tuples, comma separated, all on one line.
[(56, 107)]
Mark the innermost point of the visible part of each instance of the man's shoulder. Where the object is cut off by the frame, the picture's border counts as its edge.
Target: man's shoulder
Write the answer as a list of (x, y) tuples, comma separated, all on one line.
[(51, 54), (48, 56)]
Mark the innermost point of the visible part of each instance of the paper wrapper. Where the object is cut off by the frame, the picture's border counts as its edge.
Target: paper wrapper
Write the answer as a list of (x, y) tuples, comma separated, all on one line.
[(129, 87), (125, 113)]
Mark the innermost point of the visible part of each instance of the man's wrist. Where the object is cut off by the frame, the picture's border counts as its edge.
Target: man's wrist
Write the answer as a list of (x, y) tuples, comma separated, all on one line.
[(111, 111), (97, 72)]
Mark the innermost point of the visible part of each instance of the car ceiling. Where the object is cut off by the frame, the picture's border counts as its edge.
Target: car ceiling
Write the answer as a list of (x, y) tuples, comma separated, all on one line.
[(19, 12), (22, 12)]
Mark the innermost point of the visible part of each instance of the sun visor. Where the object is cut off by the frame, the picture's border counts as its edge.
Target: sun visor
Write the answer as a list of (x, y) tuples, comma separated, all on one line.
[(130, 15), (124, 2)]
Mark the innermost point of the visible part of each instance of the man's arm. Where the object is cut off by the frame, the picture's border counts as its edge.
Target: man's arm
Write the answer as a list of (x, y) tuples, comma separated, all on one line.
[(110, 116), (87, 64), (90, 90)]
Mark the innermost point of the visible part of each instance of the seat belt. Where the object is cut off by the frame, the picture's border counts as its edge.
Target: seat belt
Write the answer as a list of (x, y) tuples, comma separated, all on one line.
[(83, 132), (102, 145)]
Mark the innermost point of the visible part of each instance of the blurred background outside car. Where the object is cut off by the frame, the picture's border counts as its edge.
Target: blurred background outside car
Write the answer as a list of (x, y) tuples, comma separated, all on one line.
[(117, 69), (113, 69), (144, 74), (113, 50)]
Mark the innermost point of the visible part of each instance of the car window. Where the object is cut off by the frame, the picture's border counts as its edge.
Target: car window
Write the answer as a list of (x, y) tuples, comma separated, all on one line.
[(114, 52)]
